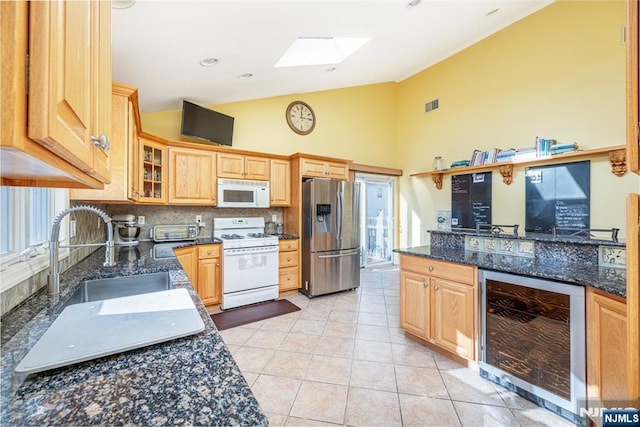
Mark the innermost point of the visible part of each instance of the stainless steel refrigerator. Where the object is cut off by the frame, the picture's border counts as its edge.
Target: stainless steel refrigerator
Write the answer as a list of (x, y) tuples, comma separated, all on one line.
[(330, 236)]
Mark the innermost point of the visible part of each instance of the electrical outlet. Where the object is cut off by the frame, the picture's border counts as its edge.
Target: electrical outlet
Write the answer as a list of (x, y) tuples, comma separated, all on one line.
[(72, 228), (141, 220), (198, 219)]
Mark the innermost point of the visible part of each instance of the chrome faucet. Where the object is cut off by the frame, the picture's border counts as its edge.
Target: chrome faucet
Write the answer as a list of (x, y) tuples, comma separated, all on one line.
[(53, 279)]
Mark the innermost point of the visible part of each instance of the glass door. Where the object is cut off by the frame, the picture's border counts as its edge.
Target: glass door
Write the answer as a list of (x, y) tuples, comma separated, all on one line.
[(377, 199)]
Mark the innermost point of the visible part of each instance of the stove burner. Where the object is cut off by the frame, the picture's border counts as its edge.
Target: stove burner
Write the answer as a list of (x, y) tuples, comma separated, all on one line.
[(231, 236), (258, 235)]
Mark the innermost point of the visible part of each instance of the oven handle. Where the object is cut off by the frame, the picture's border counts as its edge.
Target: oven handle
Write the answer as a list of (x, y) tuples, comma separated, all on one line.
[(353, 252), (243, 251)]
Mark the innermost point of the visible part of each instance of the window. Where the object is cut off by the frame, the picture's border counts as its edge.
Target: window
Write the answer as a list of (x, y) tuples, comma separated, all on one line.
[(26, 217)]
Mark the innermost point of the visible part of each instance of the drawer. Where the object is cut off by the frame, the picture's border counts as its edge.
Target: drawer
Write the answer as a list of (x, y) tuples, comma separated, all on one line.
[(460, 273), (208, 251), (288, 245), (288, 259), (288, 279)]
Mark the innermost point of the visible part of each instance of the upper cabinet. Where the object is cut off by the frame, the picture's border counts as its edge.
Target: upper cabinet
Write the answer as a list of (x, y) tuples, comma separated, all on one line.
[(243, 167), (280, 183), (70, 82), (122, 157), (315, 168), (46, 134), (151, 170), (633, 100), (192, 176)]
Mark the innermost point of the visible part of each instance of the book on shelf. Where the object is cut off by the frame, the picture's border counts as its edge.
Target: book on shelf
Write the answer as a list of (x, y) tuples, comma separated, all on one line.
[(506, 155), (526, 153), (543, 146), (564, 148), (459, 163)]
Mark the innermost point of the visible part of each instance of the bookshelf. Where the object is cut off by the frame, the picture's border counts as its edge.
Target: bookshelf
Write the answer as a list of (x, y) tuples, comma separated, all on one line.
[(617, 157)]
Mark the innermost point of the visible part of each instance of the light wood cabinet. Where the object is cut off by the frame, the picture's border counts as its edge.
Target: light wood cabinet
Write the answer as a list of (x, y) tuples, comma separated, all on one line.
[(453, 314), (209, 274), (201, 263), (633, 86), (192, 176), (315, 168), (24, 161), (414, 304), (122, 155), (280, 183), (438, 303), (243, 167), (606, 344), (151, 172), (288, 258), (70, 82), (188, 258)]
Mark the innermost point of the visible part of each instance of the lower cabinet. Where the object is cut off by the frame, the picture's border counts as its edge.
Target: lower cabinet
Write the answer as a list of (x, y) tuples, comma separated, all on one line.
[(209, 274), (202, 266), (606, 350), (288, 265), (438, 303)]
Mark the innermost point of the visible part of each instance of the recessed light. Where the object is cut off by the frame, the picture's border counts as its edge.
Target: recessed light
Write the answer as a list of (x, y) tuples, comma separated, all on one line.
[(328, 70), (122, 4), (245, 76), (412, 3), (491, 12), (209, 62), (320, 51)]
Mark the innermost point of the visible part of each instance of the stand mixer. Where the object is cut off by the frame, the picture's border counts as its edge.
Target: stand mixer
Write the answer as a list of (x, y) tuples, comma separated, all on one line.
[(126, 229)]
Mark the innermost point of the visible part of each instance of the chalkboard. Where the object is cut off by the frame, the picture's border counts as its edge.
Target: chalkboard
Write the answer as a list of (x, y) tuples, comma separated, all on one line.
[(558, 195), (470, 200)]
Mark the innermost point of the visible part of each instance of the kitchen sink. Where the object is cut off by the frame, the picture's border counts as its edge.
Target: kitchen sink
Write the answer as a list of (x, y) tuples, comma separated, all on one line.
[(115, 287)]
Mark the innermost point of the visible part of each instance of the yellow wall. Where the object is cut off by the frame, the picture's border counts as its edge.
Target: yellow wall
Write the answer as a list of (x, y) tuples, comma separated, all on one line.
[(559, 73), (357, 123)]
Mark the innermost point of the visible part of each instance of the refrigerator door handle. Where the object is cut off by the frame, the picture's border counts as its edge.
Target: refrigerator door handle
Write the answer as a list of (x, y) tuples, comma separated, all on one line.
[(339, 216), (353, 252)]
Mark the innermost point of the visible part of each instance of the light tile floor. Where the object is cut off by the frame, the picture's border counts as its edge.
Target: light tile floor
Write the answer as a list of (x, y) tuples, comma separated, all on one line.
[(344, 360)]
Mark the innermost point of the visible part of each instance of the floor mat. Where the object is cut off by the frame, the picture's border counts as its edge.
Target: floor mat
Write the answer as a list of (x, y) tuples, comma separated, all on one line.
[(252, 313)]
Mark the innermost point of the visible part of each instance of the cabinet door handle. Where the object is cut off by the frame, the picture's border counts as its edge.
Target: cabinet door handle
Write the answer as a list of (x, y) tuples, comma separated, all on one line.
[(431, 268), (102, 141)]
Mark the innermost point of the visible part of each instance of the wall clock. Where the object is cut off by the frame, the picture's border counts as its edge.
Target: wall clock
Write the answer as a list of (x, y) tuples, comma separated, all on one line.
[(300, 118)]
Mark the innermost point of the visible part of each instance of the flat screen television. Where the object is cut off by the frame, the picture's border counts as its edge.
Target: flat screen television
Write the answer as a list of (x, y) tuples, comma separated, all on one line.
[(205, 124)]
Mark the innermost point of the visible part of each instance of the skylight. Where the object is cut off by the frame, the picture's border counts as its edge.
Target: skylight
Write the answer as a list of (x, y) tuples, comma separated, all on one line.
[(320, 50)]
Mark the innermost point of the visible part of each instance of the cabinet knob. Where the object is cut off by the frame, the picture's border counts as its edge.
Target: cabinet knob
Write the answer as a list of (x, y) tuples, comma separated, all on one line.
[(425, 284), (288, 259), (436, 287), (431, 268), (102, 141), (288, 279)]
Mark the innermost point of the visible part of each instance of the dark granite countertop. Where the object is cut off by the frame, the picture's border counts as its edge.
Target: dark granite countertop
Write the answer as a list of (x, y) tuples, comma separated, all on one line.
[(612, 280), (540, 237), (192, 380)]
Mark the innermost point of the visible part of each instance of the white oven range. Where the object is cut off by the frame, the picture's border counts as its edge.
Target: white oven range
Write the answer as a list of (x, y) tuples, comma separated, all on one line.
[(249, 261)]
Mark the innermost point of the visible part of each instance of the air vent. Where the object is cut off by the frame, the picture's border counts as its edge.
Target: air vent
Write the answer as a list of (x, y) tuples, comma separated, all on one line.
[(430, 106)]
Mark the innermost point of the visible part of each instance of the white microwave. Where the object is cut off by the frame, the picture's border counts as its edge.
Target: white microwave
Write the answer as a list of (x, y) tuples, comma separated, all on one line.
[(236, 193)]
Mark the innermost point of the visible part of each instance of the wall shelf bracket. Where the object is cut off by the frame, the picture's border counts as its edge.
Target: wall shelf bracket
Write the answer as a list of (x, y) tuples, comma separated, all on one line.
[(618, 159), (437, 178), (507, 173)]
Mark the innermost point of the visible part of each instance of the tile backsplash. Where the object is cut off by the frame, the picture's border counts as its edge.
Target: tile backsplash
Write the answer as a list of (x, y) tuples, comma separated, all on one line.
[(161, 215)]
